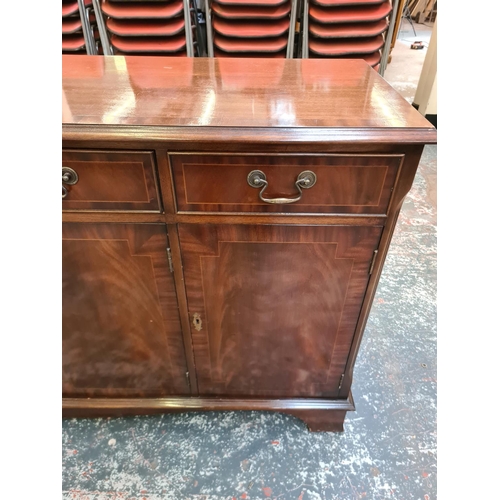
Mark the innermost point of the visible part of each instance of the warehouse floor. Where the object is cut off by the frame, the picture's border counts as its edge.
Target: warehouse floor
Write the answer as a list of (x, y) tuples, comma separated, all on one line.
[(388, 449)]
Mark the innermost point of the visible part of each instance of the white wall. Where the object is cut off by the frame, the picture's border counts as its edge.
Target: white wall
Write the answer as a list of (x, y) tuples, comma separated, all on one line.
[(426, 93)]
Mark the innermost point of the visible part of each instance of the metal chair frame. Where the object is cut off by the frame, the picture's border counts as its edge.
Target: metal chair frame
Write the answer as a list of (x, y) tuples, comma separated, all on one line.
[(387, 35), (107, 48), (84, 13)]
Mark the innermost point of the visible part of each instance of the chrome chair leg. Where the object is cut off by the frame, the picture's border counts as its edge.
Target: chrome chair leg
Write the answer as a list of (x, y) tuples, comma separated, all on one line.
[(305, 31), (101, 27), (291, 33), (90, 45)]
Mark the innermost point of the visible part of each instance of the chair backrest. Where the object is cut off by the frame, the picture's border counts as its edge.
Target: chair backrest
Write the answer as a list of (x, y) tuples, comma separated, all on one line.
[(77, 31), (354, 29), (258, 28), (144, 27)]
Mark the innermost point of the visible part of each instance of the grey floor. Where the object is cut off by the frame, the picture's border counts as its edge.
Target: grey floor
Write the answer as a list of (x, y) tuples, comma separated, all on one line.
[(388, 449)]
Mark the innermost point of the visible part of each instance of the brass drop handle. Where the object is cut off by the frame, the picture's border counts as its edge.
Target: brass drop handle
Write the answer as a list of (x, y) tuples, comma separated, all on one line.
[(70, 177), (257, 179)]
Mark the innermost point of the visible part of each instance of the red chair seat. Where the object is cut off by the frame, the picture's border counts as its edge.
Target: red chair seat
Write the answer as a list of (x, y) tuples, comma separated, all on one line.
[(345, 3), (154, 44), (340, 47), (167, 27), (350, 14), (351, 30), (251, 29), (247, 12), (137, 10), (117, 52), (371, 59), (247, 3), (73, 43), (218, 53), (69, 8), (237, 45), (71, 25)]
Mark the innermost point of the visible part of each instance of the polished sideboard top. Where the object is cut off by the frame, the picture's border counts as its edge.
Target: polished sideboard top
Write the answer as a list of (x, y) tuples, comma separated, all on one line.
[(255, 100)]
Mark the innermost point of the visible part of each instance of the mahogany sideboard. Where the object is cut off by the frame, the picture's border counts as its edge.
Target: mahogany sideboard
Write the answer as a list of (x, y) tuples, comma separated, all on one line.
[(225, 224)]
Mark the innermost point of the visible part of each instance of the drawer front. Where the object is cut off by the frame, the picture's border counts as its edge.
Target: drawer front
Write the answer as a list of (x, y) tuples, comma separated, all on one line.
[(350, 184), (111, 181)]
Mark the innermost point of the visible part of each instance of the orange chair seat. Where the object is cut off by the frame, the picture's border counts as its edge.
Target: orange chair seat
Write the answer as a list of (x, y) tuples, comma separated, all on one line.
[(350, 14), (137, 10), (71, 25), (117, 52), (166, 27), (250, 45), (345, 3), (248, 3), (371, 59), (250, 55), (251, 29), (248, 12), (73, 42), (69, 8), (154, 44), (350, 30), (340, 47)]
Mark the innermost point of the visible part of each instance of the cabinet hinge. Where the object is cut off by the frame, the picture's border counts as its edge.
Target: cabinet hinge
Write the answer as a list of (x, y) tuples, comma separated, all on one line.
[(170, 263), (341, 380), (374, 258), (187, 378)]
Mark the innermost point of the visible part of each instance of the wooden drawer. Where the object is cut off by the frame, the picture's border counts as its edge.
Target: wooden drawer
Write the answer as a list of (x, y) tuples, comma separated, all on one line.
[(350, 184), (111, 181)]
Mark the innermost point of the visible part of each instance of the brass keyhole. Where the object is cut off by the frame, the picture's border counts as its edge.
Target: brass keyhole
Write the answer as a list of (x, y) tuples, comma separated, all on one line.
[(197, 322)]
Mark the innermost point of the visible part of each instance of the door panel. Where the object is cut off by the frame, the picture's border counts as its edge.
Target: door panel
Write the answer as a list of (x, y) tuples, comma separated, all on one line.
[(121, 330), (277, 305)]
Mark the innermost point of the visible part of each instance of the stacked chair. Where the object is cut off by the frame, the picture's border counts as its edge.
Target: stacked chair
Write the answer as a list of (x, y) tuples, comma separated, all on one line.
[(79, 33), (345, 29), (146, 28), (162, 27), (251, 28)]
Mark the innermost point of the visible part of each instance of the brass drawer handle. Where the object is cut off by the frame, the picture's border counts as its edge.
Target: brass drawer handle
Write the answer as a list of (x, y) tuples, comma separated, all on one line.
[(70, 177), (305, 180)]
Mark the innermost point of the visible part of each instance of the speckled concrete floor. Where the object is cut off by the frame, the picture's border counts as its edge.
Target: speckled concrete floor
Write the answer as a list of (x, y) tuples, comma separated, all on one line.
[(388, 449)]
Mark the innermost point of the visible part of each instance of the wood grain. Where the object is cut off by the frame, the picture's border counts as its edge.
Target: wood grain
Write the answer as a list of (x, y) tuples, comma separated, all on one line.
[(318, 414), (227, 218), (345, 183), (120, 319), (278, 304), (337, 96), (176, 403), (111, 181), (283, 293)]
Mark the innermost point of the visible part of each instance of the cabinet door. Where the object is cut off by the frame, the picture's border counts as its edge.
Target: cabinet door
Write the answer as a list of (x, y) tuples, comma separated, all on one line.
[(121, 329), (274, 308)]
